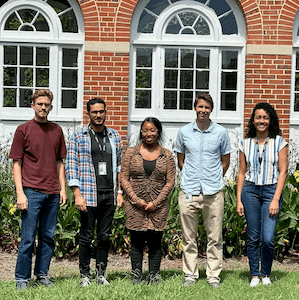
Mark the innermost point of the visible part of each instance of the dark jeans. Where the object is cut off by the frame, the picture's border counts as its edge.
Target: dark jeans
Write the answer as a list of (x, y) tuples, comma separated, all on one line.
[(260, 226), (41, 217), (102, 216), (153, 239)]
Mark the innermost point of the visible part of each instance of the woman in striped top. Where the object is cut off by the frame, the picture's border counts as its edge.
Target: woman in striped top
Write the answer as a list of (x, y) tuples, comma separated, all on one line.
[(147, 177), (262, 174)]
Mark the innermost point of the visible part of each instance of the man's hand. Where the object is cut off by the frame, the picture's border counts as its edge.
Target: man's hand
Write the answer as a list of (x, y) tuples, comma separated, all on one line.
[(22, 202), (120, 201), (81, 203), (63, 198)]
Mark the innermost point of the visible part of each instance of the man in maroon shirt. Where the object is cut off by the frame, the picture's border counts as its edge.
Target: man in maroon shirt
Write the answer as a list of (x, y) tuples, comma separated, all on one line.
[(37, 151)]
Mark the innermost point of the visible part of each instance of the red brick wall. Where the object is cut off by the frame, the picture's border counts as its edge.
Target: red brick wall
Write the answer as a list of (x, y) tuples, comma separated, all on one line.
[(267, 77)]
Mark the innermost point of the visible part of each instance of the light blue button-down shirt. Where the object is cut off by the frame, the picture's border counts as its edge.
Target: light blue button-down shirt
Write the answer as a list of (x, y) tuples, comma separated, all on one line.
[(202, 170)]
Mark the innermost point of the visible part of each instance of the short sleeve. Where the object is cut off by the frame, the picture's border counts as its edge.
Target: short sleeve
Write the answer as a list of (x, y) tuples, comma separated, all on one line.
[(179, 147)]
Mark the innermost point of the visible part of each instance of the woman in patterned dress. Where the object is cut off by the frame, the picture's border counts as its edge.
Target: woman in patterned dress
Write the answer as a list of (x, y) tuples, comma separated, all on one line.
[(147, 178)]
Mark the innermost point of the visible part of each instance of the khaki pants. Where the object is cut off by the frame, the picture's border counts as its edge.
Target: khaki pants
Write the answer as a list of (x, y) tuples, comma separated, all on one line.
[(212, 208)]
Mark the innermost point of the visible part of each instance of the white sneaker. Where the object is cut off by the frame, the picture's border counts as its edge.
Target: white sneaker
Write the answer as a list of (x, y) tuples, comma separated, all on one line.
[(254, 282), (266, 280), (85, 281)]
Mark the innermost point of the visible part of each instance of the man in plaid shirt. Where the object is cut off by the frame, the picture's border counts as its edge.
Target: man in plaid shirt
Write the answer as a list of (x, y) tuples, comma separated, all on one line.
[(93, 168)]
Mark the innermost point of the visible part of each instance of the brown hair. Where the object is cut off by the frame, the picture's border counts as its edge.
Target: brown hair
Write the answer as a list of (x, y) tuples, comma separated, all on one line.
[(42, 93), (205, 97)]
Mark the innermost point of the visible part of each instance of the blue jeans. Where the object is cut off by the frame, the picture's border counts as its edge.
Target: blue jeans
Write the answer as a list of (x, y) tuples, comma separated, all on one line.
[(42, 209), (260, 227)]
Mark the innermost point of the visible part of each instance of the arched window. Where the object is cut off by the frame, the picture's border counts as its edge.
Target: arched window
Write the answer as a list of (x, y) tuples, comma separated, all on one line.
[(41, 47), (181, 48)]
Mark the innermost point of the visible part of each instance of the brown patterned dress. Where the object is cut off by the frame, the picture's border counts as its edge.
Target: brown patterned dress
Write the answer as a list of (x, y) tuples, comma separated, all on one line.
[(154, 188)]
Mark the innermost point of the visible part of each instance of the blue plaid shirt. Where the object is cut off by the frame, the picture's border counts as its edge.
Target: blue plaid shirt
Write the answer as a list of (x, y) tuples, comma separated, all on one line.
[(79, 166)]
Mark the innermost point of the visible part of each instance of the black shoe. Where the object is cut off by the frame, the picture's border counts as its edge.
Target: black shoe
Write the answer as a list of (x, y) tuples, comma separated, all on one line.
[(101, 275), (136, 276), (22, 284), (44, 280), (153, 278)]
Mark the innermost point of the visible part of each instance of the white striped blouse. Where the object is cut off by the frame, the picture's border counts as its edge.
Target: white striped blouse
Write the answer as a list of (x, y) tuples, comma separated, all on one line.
[(264, 171)]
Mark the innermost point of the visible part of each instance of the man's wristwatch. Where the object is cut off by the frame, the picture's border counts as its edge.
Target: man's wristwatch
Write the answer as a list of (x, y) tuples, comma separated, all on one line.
[(120, 192)]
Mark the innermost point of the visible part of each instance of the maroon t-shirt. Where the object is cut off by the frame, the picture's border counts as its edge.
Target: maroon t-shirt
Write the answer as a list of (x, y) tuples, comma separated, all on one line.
[(39, 146)]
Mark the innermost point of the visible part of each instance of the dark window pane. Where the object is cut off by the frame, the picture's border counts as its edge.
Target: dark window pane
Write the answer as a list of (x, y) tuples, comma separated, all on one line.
[(297, 60), (42, 77), (59, 5), (157, 6), (173, 26), (203, 59), (9, 97), (10, 55), (229, 59), (297, 82), (229, 81), (228, 101), (69, 22), (26, 56), (25, 97), (186, 100), (202, 79), (188, 18), (146, 23), (187, 31), (12, 22), (26, 76), (170, 99), (2, 2), (143, 99), (27, 15), (296, 104), (171, 79), (69, 78), (41, 24), (10, 76), (69, 99), (219, 6), (186, 79), (202, 27), (171, 58), (42, 56), (144, 57), (143, 78), (187, 56), (70, 57), (229, 24), (27, 28)]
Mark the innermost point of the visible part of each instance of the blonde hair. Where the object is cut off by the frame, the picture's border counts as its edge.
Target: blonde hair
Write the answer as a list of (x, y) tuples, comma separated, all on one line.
[(41, 93)]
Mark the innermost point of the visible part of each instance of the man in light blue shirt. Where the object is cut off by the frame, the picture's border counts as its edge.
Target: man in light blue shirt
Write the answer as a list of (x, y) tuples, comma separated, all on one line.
[(203, 151)]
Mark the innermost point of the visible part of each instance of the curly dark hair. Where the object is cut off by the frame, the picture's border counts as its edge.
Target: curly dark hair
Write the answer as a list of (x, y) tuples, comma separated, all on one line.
[(274, 129), (158, 125)]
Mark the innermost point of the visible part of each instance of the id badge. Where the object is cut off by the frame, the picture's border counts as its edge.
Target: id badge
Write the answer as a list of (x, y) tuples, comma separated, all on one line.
[(188, 198), (102, 167)]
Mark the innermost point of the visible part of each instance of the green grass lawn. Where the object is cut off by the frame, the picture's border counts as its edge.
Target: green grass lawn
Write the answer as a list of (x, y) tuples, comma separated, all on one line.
[(235, 285)]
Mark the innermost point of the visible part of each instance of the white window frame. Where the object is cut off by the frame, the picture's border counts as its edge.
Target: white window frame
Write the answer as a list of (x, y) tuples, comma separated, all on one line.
[(215, 42), (55, 40)]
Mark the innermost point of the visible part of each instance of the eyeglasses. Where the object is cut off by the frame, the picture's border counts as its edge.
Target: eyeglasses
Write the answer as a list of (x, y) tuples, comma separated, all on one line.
[(95, 112), (146, 131)]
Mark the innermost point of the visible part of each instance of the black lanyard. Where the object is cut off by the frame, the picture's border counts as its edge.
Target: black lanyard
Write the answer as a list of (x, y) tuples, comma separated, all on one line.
[(260, 157), (102, 147)]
